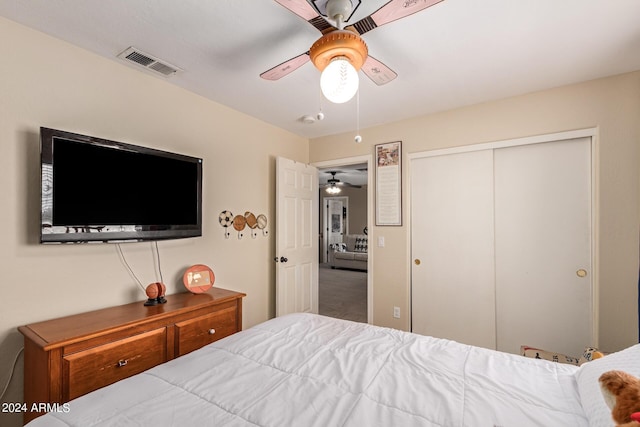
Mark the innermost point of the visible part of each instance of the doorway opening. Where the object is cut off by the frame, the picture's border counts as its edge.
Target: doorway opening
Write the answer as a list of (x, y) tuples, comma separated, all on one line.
[(343, 278)]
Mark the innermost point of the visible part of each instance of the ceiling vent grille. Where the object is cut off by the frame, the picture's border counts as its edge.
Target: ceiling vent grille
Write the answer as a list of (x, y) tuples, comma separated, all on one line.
[(149, 62)]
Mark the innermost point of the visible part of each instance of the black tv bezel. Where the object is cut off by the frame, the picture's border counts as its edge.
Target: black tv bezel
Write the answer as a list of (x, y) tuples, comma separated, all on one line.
[(142, 232)]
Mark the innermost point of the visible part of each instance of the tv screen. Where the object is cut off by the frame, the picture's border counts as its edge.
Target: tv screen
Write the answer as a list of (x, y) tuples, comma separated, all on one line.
[(97, 190)]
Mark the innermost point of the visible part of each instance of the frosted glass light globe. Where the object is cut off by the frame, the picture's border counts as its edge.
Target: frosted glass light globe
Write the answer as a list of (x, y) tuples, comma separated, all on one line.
[(339, 80), (333, 190)]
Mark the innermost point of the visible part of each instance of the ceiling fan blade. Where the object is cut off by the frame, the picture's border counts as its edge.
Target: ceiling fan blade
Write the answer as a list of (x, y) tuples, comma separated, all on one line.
[(340, 184), (307, 12), (392, 11), (286, 67), (379, 73)]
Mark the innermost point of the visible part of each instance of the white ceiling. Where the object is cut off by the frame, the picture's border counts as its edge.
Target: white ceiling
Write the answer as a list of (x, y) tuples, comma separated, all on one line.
[(456, 53)]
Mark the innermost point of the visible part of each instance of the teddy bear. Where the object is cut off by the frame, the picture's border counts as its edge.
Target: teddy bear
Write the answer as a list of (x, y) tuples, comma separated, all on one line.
[(621, 392)]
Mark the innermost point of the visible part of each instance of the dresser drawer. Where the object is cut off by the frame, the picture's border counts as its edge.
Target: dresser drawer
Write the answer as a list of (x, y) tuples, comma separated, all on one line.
[(97, 367), (200, 331)]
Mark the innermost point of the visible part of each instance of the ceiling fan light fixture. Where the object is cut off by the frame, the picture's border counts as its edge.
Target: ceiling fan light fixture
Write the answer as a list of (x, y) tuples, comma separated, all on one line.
[(339, 55), (333, 189), (331, 8), (339, 81)]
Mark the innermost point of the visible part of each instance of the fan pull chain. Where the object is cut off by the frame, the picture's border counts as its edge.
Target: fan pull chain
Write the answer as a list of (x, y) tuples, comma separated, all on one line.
[(358, 138), (320, 115)]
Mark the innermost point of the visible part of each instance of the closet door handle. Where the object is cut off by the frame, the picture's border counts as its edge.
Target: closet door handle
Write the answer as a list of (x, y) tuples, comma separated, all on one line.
[(582, 272), (416, 261)]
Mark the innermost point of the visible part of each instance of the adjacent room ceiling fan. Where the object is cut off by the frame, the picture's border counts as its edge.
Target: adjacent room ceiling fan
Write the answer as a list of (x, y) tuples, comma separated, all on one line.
[(333, 184), (341, 52)]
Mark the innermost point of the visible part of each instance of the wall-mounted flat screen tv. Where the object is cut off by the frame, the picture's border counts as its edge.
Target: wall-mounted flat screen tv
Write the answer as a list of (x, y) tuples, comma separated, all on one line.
[(97, 190)]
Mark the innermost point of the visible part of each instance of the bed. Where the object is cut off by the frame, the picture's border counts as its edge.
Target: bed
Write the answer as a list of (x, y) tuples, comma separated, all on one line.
[(310, 370)]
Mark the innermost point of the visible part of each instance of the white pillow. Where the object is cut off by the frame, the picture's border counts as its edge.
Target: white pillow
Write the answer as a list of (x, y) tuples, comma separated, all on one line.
[(591, 398)]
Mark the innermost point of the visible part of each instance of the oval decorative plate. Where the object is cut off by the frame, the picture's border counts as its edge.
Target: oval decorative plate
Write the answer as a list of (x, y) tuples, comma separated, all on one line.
[(198, 278)]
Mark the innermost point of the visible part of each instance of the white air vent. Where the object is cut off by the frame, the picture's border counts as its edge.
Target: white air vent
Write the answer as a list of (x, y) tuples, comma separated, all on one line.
[(149, 62)]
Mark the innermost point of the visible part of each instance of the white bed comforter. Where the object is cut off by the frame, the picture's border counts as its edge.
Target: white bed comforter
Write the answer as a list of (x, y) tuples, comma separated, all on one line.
[(307, 370)]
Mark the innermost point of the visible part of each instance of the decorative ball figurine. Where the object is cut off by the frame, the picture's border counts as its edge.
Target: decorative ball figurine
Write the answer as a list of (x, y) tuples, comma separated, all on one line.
[(155, 292), (152, 291)]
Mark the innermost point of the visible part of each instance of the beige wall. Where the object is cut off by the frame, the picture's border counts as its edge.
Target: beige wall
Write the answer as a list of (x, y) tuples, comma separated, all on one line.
[(46, 82), (612, 105), (357, 207)]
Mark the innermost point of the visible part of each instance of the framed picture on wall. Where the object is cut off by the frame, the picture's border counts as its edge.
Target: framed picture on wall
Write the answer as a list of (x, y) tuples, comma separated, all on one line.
[(389, 183)]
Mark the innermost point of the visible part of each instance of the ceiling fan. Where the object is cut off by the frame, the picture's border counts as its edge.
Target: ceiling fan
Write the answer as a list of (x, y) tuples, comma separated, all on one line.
[(333, 184), (341, 52)]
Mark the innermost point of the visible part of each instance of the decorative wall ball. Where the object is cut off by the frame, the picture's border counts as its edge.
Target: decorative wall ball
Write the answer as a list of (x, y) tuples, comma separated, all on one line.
[(225, 218), (262, 223), (239, 222), (252, 222)]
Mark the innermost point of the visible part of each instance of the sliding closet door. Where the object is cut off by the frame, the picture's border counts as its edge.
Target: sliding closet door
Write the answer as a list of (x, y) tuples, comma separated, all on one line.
[(543, 246), (452, 247)]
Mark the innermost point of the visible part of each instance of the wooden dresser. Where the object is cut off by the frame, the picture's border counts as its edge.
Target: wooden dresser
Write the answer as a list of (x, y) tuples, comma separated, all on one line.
[(67, 357)]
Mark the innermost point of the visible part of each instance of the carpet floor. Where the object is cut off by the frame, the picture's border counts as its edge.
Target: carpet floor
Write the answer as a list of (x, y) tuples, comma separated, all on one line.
[(342, 293)]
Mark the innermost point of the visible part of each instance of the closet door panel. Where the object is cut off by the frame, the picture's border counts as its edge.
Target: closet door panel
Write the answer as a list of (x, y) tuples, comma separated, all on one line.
[(543, 238), (452, 239)]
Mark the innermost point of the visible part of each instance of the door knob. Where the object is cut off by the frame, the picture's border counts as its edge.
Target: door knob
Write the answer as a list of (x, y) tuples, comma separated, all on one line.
[(283, 259), (582, 272), (416, 261)]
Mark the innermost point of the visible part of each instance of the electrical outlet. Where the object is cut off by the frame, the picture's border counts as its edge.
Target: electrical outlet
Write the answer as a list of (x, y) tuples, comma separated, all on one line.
[(396, 312)]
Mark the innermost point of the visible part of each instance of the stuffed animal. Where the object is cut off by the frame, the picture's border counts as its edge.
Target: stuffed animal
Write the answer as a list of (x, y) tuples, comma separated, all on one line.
[(621, 391)]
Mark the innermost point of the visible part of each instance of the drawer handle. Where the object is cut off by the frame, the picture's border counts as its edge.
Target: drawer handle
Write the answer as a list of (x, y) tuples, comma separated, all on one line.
[(122, 363), (212, 331)]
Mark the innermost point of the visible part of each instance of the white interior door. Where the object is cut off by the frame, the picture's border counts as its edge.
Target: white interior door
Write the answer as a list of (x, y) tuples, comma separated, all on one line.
[(296, 237), (543, 246), (336, 219), (452, 247)]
